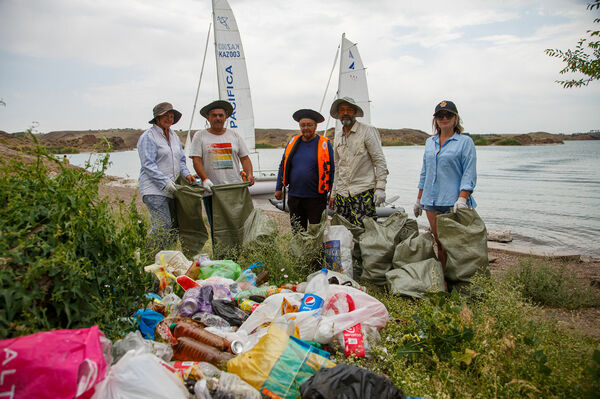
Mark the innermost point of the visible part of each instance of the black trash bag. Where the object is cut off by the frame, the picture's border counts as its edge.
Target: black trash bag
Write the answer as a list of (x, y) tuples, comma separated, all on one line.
[(349, 382), (229, 311)]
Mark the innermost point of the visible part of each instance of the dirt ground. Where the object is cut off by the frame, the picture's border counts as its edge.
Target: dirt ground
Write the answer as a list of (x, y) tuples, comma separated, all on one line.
[(583, 321)]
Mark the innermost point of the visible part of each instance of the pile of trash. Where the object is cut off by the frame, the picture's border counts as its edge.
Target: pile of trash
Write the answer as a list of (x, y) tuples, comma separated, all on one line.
[(230, 335)]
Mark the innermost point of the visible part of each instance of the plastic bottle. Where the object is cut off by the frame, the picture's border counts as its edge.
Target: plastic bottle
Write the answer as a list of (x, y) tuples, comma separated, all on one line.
[(188, 349), (201, 335), (315, 293)]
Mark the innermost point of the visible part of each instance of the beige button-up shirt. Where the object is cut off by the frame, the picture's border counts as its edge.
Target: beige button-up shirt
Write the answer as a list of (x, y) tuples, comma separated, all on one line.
[(359, 161)]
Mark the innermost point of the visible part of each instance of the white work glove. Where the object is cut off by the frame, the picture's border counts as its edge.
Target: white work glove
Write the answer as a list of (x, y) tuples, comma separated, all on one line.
[(379, 196), (207, 184), (418, 209), (170, 187), (460, 203)]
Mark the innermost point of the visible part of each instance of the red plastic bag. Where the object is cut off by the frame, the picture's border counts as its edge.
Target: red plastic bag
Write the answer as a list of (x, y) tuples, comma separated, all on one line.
[(52, 364)]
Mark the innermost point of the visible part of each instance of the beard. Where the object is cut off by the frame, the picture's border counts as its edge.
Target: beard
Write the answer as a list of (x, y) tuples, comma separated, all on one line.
[(348, 121)]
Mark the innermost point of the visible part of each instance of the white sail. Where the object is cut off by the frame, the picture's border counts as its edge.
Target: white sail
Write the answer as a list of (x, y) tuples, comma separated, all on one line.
[(231, 72), (353, 80)]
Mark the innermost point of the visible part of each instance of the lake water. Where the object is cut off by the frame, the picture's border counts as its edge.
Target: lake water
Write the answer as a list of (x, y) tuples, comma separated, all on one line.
[(545, 195)]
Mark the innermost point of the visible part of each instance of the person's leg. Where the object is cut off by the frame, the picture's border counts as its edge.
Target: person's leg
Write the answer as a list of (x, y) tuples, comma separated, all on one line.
[(361, 205), (313, 209), (343, 208), (298, 218), (160, 219), (432, 217)]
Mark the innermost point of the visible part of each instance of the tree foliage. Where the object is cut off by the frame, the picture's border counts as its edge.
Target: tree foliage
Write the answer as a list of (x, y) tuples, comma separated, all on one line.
[(584, 59)]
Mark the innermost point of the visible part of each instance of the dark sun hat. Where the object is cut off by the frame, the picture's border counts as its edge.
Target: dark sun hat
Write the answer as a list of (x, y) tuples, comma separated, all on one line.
[(334, 107), (308, 114), (163, 108), (218, 104), (446, 106)]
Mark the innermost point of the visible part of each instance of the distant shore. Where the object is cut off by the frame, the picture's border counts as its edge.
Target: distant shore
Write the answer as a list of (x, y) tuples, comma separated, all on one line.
[(61, 142)]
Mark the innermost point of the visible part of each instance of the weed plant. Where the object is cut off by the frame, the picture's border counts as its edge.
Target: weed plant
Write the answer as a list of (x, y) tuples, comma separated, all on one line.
[(67, 259), (548, 285)]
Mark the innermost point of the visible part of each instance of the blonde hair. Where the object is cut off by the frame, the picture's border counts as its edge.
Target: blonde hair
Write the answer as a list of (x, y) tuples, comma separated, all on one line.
[(457, 126)]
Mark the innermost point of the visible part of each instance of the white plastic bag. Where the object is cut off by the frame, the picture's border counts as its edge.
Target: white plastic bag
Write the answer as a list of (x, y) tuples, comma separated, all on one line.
[(338, 243), (140, 376), (135, 341)]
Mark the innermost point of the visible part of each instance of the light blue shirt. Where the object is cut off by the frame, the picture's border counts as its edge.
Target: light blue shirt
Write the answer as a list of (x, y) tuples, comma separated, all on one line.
[(448, 171), (162, 161)]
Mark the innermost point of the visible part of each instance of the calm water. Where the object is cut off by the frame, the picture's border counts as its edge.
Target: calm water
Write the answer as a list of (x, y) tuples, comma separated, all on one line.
[(545, 195)]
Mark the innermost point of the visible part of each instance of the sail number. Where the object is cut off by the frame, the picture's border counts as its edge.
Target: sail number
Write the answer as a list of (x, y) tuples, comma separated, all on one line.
[(229, 54)]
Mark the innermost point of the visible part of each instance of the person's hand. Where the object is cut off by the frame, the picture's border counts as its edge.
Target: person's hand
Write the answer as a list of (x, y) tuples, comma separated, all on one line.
[(251, 179), (418, 209), (379, 196), (170, 187), (279, 194), (190, 178), (207, 184), (332, 203), (461, 202)]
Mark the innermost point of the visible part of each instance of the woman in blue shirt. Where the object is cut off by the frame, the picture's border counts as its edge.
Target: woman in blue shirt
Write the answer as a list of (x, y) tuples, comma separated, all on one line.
[(307, 170), (448, 174)]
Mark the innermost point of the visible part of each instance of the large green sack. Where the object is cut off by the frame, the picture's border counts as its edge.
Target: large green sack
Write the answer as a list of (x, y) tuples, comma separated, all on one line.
[(414, 249), (309, 243), (464, 236), (378, 243), (231, 206), (416, 279), (188, 204), (356, 231), (259, 228)]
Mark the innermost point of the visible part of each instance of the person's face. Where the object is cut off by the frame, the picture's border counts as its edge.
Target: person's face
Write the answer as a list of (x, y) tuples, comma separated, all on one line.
[(166, 120), (308, 127), (445, 120), (346, 113), (216, 118)]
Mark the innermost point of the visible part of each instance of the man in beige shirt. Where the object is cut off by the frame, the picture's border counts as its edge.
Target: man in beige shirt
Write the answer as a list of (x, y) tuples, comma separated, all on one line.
[(360, 168)]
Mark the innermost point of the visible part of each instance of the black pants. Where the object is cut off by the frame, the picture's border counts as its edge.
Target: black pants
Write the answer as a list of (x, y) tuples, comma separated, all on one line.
[(305, 210)]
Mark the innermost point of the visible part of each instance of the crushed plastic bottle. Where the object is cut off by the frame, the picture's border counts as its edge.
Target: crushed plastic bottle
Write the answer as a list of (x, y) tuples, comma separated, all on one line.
[(315, 293)]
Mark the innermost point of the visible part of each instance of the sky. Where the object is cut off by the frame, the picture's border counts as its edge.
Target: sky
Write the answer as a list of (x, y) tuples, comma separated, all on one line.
[(99, 64)]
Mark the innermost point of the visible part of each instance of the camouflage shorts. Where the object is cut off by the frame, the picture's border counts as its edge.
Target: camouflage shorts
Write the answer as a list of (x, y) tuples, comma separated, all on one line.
[(355, 208)]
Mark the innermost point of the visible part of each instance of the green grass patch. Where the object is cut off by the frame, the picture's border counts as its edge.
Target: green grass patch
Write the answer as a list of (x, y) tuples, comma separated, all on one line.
[(508, 142), (395, 143), (62, 150), (549, 285), (480, 141), (264, 145)]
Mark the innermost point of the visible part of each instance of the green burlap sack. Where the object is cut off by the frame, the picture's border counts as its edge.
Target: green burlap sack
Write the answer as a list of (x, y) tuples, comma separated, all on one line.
[(416, 279), (188, 204), (259, 228), (356, 232), (414, 249), (231, 206), (378, 243), (464, 236), (309, 243)]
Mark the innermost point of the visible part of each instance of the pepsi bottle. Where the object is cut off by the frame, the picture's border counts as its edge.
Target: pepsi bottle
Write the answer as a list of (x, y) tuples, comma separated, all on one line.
[(315, 293)]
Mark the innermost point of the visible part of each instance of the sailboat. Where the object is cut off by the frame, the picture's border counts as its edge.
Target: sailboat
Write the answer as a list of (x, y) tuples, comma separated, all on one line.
[(234, 87)]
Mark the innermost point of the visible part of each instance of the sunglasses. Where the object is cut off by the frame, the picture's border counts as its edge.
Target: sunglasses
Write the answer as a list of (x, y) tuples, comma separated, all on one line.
[(444, 115)]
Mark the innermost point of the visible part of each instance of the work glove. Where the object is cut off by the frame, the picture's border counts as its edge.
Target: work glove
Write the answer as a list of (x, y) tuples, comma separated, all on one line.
[(418, 209), (170, 187), (379, 196), (207, 184), (460, 203)]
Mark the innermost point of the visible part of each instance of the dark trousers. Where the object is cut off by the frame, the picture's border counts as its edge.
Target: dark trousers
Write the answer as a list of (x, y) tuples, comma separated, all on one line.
[(305, 210)]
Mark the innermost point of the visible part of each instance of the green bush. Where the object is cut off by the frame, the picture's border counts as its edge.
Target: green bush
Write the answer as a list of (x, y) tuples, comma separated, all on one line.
[(63, 150), (264, 145), (553, 286), (508, 142), (480, 141), (67, 259), (395, 143)]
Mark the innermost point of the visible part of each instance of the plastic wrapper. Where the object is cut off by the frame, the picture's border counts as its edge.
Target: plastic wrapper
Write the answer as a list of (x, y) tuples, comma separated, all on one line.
[(269, 310), (338, 243), (219, 381), (147, 320), (196, 299), (220, 268), (211, 320), (175, 262), (134, 341), (229, 311)]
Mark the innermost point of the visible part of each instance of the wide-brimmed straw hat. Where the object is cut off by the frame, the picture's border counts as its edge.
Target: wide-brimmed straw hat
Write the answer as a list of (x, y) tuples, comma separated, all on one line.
[(308, 114), (334, 107), (163, 108), (218, 104)]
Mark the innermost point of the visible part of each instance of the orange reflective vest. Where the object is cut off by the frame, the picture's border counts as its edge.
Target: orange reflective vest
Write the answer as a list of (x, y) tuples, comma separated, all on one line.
[(323, 161)]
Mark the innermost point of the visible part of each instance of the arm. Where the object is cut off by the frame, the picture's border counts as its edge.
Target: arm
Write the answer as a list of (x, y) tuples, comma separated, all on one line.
[(279, 183), (199, 168), (183, 166), (469, 166), (247, 166), (147, 152), (373, 144)]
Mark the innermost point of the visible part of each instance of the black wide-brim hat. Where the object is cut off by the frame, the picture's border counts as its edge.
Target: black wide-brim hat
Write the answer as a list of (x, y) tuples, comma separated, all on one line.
[(163, 108), (218, 104), (308, 114), (446, 106)]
